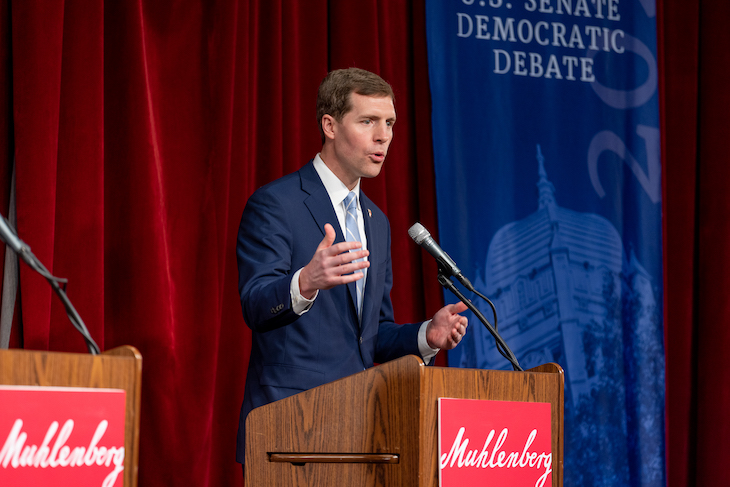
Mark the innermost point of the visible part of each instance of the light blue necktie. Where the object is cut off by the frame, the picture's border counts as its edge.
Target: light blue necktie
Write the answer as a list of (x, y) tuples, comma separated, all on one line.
[(352, 234)]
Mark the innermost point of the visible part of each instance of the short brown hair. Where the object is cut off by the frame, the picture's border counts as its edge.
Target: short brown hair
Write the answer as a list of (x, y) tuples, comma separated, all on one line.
[(333, 97)]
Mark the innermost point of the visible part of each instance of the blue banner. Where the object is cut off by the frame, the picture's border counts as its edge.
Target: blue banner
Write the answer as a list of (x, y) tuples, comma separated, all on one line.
[(546, 143)]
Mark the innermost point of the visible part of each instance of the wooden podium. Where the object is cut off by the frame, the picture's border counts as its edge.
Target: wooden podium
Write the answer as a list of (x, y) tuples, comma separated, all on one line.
[(118, 368), (379, 427)]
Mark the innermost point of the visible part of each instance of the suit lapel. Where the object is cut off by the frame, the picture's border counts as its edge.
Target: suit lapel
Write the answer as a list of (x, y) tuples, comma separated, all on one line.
[(318, 202)]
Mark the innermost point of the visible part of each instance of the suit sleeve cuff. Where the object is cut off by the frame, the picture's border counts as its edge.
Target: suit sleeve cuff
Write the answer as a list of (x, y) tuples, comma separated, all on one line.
[(427, 353), (299, 303)]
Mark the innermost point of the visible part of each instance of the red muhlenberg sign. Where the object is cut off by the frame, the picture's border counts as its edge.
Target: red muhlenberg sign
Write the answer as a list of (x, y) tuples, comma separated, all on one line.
[(494, 443), (61, 436)]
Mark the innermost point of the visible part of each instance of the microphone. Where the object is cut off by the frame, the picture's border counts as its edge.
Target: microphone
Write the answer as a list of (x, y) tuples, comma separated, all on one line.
[(422, 237)]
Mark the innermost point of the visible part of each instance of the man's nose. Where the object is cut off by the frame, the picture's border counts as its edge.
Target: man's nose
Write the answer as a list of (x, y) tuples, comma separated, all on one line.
[(383, 132)]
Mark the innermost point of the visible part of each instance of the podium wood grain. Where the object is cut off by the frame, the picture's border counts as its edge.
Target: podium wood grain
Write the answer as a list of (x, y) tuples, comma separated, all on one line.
[(118, 368), (379, 427)]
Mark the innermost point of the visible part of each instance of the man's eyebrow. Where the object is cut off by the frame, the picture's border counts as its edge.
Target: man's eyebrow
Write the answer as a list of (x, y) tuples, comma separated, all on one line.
[(377, 116)]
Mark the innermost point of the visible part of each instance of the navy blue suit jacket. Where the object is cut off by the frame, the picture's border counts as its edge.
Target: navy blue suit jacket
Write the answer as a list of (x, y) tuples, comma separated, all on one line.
[(281, 227)]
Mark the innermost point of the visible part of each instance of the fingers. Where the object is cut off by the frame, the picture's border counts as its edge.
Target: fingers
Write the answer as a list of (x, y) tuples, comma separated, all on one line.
[(346, 257), (343, 274), (352, 267), (458, 322), (328, 240), (329, 237), (458, 329), (352, 277), (447, 328), (332, 264), (344, 247), (458, 332)]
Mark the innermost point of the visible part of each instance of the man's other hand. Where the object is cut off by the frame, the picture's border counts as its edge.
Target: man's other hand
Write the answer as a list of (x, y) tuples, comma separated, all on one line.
[(447, 327)]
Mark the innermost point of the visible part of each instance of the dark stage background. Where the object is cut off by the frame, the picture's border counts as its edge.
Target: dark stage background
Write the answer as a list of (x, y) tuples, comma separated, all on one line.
[(139, 129)]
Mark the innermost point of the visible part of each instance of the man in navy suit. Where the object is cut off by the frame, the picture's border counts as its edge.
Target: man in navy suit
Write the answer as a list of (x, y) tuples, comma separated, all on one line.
[(314, 259)]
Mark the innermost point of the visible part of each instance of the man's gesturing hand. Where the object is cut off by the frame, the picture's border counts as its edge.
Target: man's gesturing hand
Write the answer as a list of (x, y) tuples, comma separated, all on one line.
[(331, 265), (447, 327)]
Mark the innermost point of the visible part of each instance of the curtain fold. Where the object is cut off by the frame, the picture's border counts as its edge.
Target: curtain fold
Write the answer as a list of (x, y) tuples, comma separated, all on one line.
[(678, 85), (712, 334), (6, 110), (695, 131), (36, 71)]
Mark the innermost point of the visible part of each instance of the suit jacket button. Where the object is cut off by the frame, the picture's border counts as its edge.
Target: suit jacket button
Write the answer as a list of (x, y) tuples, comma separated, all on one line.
[(360, 339)]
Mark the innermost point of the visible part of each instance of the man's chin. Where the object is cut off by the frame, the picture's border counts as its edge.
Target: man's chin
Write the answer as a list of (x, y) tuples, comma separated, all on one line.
[(374, 169)]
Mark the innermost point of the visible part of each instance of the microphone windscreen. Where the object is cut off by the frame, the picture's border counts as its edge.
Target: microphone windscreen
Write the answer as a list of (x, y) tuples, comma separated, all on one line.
[(418, 233)]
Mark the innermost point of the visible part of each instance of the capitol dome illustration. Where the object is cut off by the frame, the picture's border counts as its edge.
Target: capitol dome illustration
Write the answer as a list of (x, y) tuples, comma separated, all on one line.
[(566, 291), (557, 279)]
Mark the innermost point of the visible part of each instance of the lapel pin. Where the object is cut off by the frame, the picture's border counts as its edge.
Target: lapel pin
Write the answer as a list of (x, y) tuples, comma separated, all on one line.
[(370, 213)]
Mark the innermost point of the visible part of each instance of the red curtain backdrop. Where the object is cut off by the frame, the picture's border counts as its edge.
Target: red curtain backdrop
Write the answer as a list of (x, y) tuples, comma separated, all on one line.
[(696, 130), (140, 128)]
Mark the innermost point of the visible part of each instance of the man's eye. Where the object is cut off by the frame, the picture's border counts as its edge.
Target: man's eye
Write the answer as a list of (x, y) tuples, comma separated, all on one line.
[(367, 122)]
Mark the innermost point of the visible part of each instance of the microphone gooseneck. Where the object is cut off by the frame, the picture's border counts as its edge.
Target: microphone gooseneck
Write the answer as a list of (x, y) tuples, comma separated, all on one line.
[(448, 268)]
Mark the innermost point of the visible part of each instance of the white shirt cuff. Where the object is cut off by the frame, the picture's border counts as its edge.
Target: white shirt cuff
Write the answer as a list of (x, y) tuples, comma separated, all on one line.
[(300, 304), (427, 353)]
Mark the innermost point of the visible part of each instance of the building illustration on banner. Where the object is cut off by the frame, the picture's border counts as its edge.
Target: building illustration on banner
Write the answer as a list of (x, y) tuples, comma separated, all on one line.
[(565, 291)]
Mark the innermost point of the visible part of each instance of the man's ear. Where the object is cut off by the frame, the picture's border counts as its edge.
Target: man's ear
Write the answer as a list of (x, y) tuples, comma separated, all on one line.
[(328, 126)]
